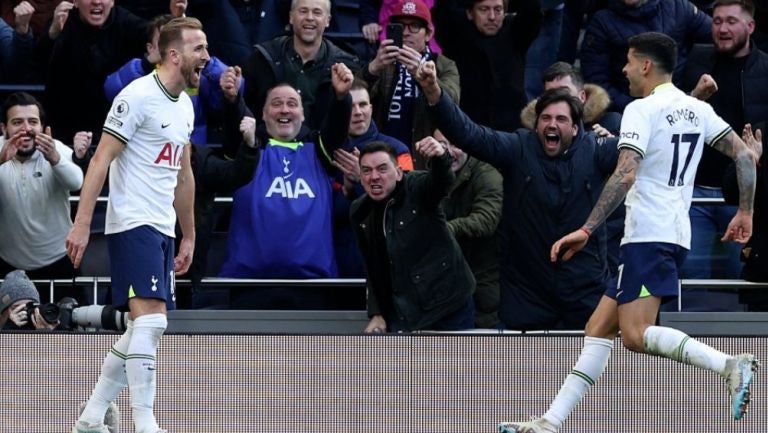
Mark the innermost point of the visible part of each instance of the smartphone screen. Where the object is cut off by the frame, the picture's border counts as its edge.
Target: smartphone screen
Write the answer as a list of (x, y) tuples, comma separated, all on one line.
[(395, 32)]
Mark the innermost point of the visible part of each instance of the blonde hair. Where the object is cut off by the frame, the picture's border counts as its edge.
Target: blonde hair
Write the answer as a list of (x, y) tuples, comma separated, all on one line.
[(171, 32)]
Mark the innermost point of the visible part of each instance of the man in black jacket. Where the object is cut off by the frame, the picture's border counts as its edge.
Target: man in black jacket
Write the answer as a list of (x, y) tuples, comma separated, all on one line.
[(417, 276), (730, 75), (552, 179), (82, 46), (303, 60), (489, 46), (597, 118)]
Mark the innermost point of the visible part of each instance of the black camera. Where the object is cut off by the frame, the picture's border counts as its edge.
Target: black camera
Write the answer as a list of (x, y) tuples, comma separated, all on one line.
[(49, 312), (73, 317)]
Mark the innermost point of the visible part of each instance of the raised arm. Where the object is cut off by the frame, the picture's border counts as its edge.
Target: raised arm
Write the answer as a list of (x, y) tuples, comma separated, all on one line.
[(494, 147), (336, 123), (438, 182), (214, 173)]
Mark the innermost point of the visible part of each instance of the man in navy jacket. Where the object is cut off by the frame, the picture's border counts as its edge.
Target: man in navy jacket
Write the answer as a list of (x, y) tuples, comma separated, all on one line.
[(552, 178)]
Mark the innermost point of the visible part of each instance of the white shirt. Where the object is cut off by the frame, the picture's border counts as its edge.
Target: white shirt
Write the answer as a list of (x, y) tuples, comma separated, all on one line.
[(669, 129), (34, 208), (154, 126)]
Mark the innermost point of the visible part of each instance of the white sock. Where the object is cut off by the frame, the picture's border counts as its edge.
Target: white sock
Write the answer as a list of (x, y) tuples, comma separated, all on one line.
[(678, 346), (111, 381), (140, 368), (590, 365)]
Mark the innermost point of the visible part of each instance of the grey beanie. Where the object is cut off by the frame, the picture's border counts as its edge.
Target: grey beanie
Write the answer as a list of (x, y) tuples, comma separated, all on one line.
[(15, 287)]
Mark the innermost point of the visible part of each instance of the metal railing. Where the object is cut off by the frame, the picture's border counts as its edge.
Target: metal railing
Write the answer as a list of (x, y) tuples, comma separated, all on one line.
[(695, 200), (351, 283), (97, 282)]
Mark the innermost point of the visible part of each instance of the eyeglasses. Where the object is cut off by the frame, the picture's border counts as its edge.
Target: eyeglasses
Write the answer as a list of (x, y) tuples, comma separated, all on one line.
[(412, 26)]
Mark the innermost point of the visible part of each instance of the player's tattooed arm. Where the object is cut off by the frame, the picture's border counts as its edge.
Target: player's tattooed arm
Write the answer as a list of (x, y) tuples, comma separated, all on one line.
[(615, 188), (727, 144), (733, 146), (746, 176)]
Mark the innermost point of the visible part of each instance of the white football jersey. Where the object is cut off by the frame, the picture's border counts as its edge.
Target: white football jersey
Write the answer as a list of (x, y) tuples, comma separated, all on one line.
[(154, 126), (669, 130)]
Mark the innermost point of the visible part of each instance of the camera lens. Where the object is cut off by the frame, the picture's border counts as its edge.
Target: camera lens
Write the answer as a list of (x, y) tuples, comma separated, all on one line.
[(99, 317), (50, 312)]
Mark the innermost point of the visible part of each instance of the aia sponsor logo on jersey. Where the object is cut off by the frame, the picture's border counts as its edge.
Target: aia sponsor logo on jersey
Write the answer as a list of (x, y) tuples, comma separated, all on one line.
[(287, 189), (284, 187), (170, 155)]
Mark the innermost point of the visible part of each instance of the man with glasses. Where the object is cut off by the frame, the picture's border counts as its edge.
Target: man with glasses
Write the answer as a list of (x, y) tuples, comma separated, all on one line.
[(399, 108)]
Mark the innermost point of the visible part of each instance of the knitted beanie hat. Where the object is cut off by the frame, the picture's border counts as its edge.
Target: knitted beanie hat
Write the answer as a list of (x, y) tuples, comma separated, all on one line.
[(17, 286)]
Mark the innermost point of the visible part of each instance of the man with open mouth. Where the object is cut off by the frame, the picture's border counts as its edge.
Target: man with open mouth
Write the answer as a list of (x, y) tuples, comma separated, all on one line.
[(86, 41), (418, 278), (146, 148), (552, 177)]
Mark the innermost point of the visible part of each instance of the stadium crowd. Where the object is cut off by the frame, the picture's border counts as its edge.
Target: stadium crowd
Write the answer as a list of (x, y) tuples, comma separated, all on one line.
[(436, 226)]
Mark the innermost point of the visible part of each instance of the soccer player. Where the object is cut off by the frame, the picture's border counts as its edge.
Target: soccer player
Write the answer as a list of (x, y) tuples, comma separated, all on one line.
[(146, 148), (660, 145)]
